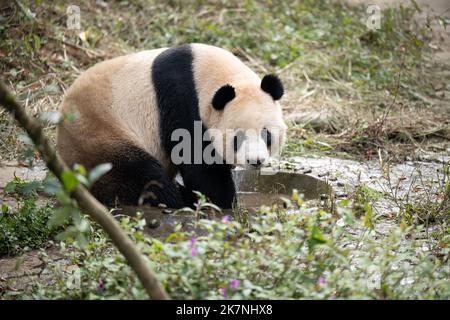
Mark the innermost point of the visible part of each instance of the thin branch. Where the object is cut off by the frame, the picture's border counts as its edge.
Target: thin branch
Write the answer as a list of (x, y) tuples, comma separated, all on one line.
[(84, 198)]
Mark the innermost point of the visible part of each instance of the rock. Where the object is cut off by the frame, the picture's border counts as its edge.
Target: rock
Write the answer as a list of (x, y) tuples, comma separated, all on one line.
[(167, 211), (341, 194), (154, 223), (323, 174), (324, 196)]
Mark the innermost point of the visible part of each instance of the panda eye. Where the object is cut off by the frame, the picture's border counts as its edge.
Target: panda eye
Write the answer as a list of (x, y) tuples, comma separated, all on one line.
[(237, 140), (267, 136)]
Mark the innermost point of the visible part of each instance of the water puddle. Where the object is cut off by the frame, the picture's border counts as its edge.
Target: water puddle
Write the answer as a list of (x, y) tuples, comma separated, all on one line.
[(254, 189)]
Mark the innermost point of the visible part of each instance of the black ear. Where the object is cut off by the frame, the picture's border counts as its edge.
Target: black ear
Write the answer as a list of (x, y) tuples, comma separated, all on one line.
[(222, 96), (273, 86)]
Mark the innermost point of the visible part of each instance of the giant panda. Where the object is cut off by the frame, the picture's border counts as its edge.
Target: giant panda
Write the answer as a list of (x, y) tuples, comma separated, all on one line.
[(127, 108)]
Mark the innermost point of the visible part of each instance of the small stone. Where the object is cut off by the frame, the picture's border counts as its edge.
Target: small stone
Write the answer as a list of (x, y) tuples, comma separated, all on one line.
[(340, 184), (167, 211), (332, 178), (307, 171), (440, 94), (162, 206), (341, 194), (323, 174), (154, 223)]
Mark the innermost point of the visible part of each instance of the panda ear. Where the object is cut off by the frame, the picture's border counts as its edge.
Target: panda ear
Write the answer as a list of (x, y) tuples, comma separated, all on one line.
[(222, 96), (273, 86)]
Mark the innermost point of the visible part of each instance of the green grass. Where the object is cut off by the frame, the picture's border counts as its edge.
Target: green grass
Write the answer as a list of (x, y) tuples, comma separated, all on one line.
[(310, 255), (24, 227)]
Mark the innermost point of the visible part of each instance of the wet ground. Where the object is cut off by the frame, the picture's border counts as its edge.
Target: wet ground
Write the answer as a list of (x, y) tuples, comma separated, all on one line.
[(254, 189)]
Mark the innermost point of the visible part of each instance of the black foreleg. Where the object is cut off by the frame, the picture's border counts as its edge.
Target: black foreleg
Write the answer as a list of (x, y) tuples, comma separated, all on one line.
[(214, 181)]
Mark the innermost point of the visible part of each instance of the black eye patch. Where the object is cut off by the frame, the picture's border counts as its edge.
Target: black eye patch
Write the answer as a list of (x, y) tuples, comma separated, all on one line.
[(238, 140), (267, 136)]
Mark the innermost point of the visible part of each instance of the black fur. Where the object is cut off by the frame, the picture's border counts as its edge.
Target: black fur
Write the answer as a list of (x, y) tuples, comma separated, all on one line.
[(173, 80), (222, 96), (273, 86), (135, 177), (267, 136), (238, 140)]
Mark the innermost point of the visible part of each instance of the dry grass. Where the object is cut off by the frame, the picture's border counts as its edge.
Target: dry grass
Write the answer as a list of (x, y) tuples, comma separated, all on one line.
[(371, 90)]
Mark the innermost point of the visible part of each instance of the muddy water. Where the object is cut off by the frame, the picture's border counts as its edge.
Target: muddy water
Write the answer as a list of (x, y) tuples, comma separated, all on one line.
[(254, 189)]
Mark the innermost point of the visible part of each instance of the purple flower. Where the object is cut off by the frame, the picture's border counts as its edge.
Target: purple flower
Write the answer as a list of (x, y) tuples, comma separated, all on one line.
[(223, 292), (194, 250), (322, 281), (226, 219), (234, 283), (100, 286)]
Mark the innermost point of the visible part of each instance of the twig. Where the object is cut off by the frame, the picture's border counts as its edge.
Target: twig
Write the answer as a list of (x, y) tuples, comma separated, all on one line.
[(397, 89), (84, 198), (89, 52)]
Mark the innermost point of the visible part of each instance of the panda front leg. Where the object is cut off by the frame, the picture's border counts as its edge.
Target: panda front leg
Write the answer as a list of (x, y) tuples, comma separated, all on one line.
[(214, 181)]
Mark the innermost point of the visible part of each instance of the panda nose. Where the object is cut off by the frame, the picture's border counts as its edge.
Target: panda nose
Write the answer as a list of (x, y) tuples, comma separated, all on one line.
[(256, 164)]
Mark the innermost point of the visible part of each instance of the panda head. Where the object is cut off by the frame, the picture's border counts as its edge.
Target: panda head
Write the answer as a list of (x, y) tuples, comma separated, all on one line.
[(250, 127)]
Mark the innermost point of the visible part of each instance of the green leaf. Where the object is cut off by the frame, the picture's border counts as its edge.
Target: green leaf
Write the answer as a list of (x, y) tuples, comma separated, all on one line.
[(30, 187), (60, 216), (37, 42), (69, 233), (315, 239), (98, 171), (5, 208), (63, 198), (82, 179), (212, 206), (83, 226), (70, 181), (82, 240), (80, 169), (13, 72), (368, 217), (51, 187), (10, 187)]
